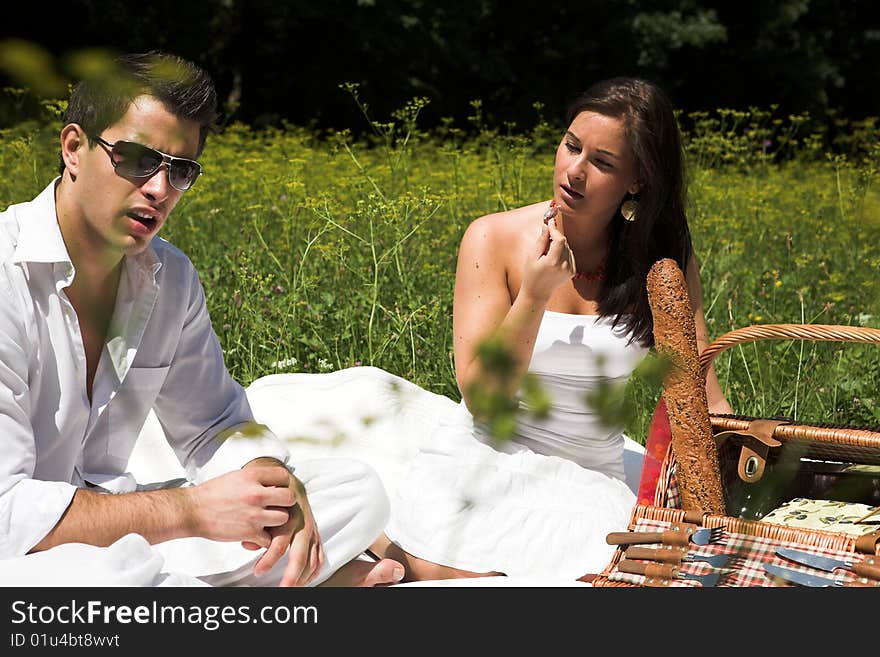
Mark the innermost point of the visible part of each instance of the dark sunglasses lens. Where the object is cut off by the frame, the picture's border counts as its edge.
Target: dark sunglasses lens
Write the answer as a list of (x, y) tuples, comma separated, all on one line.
[(135, 160), (183, 173)]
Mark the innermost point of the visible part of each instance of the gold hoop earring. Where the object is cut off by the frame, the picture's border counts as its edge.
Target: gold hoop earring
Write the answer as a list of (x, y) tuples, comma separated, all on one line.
[(628, 209)]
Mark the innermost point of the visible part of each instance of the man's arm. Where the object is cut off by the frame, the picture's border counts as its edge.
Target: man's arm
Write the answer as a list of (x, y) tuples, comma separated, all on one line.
[(203, 411), (239, 506), (208, 421)]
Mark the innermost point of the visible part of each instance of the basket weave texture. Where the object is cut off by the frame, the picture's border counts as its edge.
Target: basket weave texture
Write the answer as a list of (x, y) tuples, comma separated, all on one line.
[(751, 545), (817, 440)]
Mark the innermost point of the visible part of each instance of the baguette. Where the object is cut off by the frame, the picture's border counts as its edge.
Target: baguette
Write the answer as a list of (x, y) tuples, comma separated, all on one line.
[(684, 389)]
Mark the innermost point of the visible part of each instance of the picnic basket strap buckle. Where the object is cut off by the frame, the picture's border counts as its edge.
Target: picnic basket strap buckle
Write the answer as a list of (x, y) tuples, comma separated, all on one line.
[(757, 440), (867, 543)]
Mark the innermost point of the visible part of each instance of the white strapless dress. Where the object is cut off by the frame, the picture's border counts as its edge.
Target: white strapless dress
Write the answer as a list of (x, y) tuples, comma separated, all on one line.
[(539, 507)]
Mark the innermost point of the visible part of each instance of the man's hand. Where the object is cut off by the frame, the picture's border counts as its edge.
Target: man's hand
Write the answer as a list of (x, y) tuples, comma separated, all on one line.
[(245, 505), (299, 534)]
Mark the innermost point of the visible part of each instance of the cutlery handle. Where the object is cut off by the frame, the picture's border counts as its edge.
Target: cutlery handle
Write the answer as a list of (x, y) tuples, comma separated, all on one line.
[(681, 537), (665, 554), (631, 538), (867, 568), (861, 583), (661, 570)]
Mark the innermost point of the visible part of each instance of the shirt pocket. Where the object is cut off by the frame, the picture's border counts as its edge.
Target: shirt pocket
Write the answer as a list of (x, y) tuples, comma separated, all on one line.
[(127, 411)]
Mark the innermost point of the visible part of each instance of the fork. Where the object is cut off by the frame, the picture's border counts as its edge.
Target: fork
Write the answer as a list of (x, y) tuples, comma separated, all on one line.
[(715, 560), (656, 573), (703, 536), (674, 554)]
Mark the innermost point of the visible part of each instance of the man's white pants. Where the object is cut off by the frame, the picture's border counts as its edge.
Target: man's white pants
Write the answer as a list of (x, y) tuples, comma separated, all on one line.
[(351, 509), (347, 499)]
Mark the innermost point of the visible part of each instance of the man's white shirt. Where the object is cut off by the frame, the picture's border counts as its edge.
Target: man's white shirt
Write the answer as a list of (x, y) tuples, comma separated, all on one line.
[(161, 353)]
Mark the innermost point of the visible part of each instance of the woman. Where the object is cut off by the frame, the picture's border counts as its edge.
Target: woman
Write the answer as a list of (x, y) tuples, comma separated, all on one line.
[(560, 288)]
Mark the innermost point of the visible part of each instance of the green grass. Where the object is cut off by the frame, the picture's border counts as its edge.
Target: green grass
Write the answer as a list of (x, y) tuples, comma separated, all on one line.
[(321, 252)]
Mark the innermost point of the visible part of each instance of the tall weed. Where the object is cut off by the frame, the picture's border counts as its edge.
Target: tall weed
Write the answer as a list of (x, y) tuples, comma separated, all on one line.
[(319, 252)]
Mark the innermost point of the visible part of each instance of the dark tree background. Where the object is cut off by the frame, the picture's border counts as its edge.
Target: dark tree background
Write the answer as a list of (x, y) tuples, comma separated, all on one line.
[(279, 59)]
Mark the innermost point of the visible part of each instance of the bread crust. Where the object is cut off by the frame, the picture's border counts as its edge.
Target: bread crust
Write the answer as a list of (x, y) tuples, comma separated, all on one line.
[(684, 389)]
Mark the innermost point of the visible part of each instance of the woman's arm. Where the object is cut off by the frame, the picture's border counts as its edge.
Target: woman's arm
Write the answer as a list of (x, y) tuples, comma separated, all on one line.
[(482, 307)]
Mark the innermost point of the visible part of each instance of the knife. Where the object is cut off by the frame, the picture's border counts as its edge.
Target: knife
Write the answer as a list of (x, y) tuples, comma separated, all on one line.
[(806, 579), (868, 567)]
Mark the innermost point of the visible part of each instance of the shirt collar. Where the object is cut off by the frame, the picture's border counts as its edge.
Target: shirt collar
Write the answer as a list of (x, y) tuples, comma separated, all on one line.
[(40, 239), (146, 263)]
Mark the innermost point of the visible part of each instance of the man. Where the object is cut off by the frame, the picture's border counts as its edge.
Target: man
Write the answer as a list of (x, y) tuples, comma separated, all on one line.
[(100, 321)]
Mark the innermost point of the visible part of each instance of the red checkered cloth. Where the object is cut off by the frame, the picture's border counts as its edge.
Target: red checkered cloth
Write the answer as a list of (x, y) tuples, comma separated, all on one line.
[(746, 566), (673, 491)]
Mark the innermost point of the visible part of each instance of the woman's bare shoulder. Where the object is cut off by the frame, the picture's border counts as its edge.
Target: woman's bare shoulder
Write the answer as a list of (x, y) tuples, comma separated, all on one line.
[(506, 228)]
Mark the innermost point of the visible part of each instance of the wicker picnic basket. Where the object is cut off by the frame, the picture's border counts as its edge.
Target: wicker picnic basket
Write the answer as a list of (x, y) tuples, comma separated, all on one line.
[(815, 459), (728, 471), (749, 544), (824, 454)]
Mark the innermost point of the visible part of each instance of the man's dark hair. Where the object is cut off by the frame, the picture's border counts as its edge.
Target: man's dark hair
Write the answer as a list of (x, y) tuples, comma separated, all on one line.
[(185, 90)]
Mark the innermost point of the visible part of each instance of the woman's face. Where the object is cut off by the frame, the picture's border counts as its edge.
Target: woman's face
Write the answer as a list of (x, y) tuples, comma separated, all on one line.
[(595, 168)]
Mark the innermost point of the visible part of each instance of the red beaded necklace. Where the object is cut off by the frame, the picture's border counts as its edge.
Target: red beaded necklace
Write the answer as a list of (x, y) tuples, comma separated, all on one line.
[(597, 274)]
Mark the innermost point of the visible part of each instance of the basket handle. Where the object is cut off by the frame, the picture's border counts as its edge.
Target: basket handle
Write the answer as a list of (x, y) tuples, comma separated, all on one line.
[(821, 332)]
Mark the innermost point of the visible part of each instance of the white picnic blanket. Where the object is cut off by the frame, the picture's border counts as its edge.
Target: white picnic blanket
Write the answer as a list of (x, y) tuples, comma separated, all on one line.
[(130, 561), (353, 428)]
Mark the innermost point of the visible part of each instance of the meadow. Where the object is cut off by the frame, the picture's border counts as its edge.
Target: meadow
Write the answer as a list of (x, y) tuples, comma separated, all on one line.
[(324, 251)]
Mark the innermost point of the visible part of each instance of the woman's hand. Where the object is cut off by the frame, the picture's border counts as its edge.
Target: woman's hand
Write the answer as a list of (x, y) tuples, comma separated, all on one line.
[(548, 265)]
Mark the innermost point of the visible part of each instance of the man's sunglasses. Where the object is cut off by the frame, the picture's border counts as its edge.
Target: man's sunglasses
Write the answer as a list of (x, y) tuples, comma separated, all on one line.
[(139, 161)]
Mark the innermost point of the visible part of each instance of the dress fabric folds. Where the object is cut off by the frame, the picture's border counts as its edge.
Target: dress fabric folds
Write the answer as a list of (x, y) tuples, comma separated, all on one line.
[(537, 505)]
